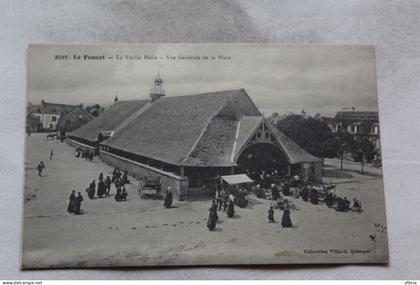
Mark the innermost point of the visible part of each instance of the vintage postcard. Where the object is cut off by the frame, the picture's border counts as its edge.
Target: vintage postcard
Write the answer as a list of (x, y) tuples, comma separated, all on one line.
[(202, 154)]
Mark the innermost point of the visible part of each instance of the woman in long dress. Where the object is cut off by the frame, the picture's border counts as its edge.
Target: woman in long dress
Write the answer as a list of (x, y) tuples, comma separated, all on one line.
[(230, 209), (211, 221), (286, 222), (78, 204), (101, 188), (271, 215), (168, 199), (313, 196), (72, 200)]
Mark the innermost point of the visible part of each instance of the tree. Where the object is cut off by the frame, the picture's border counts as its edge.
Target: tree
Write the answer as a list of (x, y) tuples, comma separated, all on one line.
[(95, 110), (310, 133)]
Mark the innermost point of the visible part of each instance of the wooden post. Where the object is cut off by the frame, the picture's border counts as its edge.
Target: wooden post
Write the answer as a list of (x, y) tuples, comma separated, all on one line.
[(182, 170)]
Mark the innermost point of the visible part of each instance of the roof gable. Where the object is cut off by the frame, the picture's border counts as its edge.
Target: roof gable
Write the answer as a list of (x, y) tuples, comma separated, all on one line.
[(108, 120), (53, 108)]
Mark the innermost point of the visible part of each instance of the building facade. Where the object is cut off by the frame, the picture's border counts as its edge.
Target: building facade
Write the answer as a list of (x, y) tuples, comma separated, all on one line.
[(50, 113)]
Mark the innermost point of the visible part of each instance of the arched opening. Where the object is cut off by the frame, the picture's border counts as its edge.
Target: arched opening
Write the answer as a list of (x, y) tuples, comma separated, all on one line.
[(262, 158)]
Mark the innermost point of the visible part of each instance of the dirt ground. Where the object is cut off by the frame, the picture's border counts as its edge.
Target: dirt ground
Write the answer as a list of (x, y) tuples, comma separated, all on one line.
[(143, 233)]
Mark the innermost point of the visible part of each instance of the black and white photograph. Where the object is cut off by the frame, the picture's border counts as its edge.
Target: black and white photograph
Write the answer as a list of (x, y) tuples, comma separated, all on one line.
[(202, 154)]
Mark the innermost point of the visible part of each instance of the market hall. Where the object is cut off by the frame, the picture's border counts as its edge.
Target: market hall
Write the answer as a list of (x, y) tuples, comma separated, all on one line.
[(188, 141)]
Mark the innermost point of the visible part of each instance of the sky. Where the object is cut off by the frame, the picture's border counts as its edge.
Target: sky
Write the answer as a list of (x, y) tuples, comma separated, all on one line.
[(279, 78)]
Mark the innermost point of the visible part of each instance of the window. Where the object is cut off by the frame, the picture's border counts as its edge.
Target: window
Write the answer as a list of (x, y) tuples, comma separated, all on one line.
[(311, 171), (53, 118), (375, 129)]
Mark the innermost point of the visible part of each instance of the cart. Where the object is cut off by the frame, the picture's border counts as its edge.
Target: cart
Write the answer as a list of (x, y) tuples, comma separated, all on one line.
[(234, 185), (149, 187)]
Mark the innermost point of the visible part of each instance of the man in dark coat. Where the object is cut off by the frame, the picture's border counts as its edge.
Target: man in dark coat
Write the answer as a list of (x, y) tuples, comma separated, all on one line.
[(224, 196), (101, 176), (107, 185), (117, 196), (114, 175), (168, 199), (230, 209), (313, 196), (91, 190), (271, 215), (72, 200), (286, 222), (101, 188), (119, 183), (78, 204), (125, 177), (40, 167)]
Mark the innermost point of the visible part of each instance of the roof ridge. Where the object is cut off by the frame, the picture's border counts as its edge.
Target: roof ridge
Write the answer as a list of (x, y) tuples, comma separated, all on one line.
[(203, 131), (60, 104), (133, 100), (205, 93), (286, 151), (132, 116), (234, 152)]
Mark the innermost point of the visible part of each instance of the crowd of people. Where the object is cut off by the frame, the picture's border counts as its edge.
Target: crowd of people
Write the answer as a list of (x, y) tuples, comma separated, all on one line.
[(314, 194), (84, 153), (101, 189), (267, 187), (223, 202), (75, 203)]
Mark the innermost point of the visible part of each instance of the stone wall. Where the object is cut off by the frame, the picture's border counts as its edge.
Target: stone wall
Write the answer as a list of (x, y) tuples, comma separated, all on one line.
[(199, 193), (317, 175)]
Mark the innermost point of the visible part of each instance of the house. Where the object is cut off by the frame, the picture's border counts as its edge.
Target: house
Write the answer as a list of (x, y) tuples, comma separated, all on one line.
[(49, 113), (190, 140), (33, 123), (73, 119), (358, 123)]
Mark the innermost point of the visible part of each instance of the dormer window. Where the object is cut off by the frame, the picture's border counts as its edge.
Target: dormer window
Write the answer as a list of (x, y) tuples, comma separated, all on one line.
[(353, 129)]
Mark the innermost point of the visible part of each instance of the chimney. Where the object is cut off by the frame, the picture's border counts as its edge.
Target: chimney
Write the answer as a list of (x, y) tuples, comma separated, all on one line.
[(157, 91)]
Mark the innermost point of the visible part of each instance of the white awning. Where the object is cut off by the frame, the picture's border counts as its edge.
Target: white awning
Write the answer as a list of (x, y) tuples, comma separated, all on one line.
[(237, 179)]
